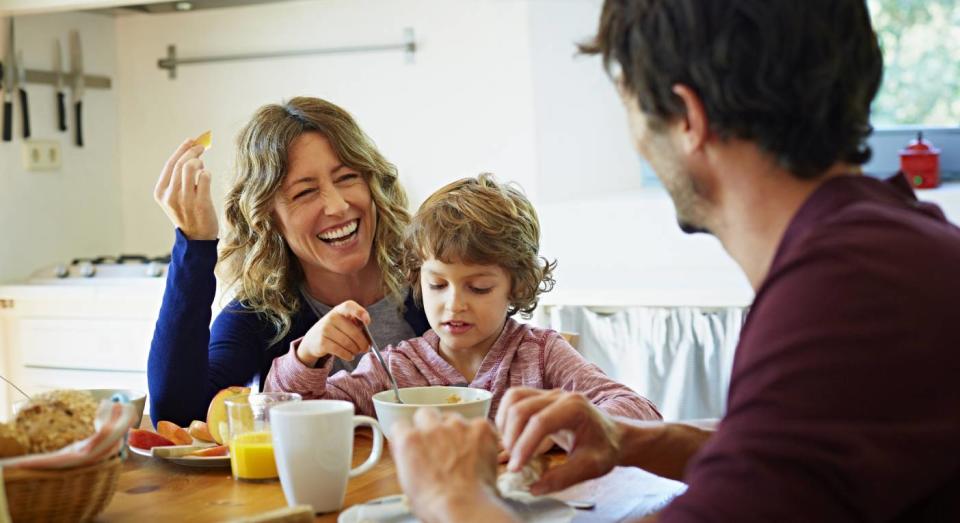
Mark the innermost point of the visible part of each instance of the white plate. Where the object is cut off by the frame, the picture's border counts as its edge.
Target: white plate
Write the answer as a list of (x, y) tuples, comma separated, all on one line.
[(187, 461), (395, 510)]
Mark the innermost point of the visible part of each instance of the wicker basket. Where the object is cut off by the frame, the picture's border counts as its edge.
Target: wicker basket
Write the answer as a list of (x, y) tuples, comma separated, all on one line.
[(67, 495)]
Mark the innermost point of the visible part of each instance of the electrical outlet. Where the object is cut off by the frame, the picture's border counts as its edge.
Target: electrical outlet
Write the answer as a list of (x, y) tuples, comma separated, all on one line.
[(41, 155)]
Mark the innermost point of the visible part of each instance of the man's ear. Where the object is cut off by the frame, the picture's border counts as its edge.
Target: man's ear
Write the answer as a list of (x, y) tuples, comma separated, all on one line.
[(695, 128)]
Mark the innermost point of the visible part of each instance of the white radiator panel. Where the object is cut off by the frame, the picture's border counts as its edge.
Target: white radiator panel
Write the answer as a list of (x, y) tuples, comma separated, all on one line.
[(678, 357)]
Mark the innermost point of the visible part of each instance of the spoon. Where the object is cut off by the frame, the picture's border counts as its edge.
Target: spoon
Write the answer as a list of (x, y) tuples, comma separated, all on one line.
[(376, 350)]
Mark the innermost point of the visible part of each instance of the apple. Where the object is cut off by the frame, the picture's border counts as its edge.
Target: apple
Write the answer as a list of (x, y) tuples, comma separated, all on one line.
[(146, 440), (199, 430), (174, 433), (217, 412)]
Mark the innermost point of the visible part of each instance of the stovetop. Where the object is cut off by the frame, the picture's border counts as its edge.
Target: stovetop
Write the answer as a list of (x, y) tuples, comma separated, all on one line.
[(121, 266)]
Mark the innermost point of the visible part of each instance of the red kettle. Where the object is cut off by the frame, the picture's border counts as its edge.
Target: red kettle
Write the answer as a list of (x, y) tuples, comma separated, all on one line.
[(920, 163)]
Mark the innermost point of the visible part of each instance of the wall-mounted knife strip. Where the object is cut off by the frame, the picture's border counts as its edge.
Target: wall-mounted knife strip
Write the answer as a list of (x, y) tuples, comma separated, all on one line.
[(35, 76)]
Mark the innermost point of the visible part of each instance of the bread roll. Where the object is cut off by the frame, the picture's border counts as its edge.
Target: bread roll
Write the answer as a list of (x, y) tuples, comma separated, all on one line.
[(55, 419), (12, 441)]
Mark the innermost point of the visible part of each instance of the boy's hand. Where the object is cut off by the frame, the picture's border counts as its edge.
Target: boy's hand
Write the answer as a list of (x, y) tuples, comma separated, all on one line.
[(339, 332)]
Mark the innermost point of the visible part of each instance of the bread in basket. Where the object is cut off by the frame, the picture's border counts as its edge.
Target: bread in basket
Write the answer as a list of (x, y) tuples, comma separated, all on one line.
[(73, 470)]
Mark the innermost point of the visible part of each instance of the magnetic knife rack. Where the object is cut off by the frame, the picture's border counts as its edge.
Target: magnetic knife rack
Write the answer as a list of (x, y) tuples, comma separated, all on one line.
[(36, 76), (171, 61)]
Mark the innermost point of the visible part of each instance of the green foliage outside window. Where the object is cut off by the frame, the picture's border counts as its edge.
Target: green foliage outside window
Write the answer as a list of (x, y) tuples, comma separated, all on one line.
[(921, 54)]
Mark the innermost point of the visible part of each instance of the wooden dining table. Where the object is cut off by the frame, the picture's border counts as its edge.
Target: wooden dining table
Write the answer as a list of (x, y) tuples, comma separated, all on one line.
[(152, 489)]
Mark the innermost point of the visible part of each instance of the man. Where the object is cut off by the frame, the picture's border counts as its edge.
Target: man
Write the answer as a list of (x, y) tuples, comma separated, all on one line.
[(842, 403)]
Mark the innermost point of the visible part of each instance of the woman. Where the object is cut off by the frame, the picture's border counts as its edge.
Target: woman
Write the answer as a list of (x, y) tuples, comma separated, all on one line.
[(314, 219)]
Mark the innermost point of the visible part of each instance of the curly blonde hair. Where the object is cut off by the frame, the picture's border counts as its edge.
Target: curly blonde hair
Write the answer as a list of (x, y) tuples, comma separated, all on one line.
[(480, 221), (254, 257)]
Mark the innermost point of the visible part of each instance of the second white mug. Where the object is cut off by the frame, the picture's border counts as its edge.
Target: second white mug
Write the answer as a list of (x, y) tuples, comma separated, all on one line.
[(313, 446)]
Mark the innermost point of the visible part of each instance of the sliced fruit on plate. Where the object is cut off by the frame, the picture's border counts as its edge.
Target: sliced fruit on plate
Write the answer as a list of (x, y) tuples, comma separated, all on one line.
[(174, 433), (199, 430), (217, 412), (146, 440), (218, 451)]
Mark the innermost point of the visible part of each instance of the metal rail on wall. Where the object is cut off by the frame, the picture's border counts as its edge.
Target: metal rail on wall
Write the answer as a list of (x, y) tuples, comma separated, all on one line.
[(408, 45)]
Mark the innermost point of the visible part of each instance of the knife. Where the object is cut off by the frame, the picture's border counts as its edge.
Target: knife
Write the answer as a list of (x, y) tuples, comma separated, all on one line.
[(61, 104), (24, 104), (9, 84), (7, 106), (76, 67)]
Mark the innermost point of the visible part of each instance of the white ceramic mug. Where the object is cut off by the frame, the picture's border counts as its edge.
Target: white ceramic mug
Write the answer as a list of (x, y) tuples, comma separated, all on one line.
[(313, 446)]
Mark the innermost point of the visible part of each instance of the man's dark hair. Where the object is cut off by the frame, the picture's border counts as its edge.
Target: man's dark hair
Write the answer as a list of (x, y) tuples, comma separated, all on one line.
[(794, 76)]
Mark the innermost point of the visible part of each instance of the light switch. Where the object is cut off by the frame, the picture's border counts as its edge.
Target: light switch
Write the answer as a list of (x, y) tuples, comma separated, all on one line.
[(41, 155)]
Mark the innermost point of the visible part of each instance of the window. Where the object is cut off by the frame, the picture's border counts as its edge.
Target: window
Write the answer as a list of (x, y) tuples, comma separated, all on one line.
[(921, 54)]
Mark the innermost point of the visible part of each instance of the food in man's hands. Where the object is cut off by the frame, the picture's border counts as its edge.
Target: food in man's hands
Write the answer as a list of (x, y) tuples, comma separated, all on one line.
[(217, 412), (199, 430), (146, 440), (174, 433), (513, 483), (205, 139), (55, 419)]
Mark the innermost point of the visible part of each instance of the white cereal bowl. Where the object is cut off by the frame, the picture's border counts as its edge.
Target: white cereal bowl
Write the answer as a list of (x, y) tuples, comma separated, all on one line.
[(474, 403)]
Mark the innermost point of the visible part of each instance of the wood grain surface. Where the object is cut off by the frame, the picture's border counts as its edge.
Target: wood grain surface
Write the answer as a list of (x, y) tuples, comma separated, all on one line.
[(151, 489)]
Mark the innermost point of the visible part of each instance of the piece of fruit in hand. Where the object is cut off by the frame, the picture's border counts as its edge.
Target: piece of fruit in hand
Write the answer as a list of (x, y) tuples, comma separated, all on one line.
[(219, 450), (174, 433), (205, 139), (146, 440), (198, 429)]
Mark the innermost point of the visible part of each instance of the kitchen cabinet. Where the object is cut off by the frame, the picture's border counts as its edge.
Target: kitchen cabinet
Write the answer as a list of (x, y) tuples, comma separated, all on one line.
[(76, 335)]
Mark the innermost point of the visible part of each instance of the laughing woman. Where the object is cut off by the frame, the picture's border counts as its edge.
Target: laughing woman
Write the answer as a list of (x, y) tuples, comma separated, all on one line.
[(314, 221)]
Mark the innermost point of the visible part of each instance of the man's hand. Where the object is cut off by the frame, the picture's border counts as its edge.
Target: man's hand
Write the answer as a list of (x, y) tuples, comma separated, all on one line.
[(528, 416), (447, 467)]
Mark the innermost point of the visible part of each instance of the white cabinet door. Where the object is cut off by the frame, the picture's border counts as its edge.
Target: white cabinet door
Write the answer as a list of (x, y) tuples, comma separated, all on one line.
[(85, 343)]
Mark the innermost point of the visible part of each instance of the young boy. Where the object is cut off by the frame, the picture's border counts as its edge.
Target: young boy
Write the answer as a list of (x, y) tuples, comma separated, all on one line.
[(473, 262)]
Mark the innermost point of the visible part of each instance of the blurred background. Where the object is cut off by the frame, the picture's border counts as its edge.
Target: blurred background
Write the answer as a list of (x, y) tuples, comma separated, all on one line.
[(493, 85)]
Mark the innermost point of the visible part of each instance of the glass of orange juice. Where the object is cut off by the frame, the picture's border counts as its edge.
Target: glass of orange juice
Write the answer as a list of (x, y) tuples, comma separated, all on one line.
[(248, 422)]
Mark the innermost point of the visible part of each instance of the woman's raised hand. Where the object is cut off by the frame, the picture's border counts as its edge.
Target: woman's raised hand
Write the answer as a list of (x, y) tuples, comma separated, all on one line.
[(339, 332), (183, 191)]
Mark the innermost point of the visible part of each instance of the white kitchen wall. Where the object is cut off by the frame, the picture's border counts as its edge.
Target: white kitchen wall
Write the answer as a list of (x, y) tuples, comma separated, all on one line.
[(583, 146), (52, 217), (463, 106)]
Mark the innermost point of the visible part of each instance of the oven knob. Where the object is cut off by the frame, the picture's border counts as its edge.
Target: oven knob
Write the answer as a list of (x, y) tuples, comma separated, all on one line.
[(87, 269), (61, 271), (155, 269)]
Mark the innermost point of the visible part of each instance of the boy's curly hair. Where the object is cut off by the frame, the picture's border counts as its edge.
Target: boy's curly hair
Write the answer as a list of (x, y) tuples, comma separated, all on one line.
[(479, 221)]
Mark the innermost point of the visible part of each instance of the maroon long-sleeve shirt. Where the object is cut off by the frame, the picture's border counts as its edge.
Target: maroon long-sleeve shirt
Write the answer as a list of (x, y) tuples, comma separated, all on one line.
[(844, 402)]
